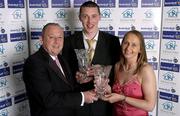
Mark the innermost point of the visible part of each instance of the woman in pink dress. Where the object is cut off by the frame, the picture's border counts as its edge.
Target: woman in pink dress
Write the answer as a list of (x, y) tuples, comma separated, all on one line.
[(134, 90)]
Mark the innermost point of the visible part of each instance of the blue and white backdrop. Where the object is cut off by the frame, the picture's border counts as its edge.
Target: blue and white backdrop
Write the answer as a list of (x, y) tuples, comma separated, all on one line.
[(21, 22)]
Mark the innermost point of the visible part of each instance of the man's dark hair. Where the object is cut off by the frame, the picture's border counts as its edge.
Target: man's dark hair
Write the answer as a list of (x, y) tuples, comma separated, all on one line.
[(89, 4)]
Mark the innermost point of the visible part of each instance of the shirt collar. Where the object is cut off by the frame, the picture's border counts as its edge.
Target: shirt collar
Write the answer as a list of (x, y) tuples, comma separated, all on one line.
[(95, 38)]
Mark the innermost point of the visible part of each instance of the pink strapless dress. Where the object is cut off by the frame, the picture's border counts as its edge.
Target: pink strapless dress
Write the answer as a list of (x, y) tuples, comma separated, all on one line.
[(132, 88)]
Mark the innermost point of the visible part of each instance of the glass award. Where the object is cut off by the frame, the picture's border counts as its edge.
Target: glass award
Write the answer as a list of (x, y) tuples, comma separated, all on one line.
[(101, 79), (83, 61)]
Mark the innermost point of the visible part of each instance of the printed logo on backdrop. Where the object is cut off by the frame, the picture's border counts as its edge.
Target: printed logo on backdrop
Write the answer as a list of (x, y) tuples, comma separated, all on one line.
[(35, 35), (61, 14), (169, 67), (3, 36), (17, 36), (150, 34), (173, 13), (128, 3), (60, 3), (150, 45), (16, 3), (4, 112), (17, 14), (4, 69), (169, 97), (106, 13), (19, 47), (37, 45), (170, 45), (108, 29), (39, 14), (17, 67), (169, 90), (78, 3), (171, 3), (175, 35), (19, 98), (38, 3), (2, 49), (168, 78), (2, 4), (168, 107), (4, 93), (150, 3), (106, 3), (169, 60), (153, 62), (148, 14), (128, 13), (5, 103)]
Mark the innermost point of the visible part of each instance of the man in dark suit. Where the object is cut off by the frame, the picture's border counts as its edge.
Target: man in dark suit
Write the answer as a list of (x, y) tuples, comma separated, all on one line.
[(50, 87), (106, 52)]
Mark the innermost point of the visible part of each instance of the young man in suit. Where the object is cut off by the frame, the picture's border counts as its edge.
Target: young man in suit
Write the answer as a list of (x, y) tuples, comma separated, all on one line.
[(106, 52), (50, 87)]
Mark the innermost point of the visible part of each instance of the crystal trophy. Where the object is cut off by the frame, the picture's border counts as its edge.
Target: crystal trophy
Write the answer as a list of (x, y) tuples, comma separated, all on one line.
[(83, 61), (101, 79)]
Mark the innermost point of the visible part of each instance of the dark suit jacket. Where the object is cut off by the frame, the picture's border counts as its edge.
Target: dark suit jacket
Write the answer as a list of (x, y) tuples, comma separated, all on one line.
[(107, 52), (48, 93)]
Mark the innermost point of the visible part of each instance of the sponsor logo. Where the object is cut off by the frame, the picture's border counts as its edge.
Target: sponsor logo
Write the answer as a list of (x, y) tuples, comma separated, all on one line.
[(173, 13), (15, 3), (169, 67), (151, 3), (106, 3), (60, 3), (1, 49), (150, 45), (3, 82), (171, 45), (38, 3), (39, 14), (4, 112), (5, 103), (17, 14), (169, 97), (20, 98), (2, 30), (128, 3), (169, 76), (19, 47), (172, 90), (168, 106), (148, 14), (37, 45), (2, 4), (106, 13), (128, 13), (61, 13)]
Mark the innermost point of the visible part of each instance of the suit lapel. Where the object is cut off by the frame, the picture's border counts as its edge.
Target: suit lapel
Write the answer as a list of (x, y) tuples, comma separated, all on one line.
[(56, 69)]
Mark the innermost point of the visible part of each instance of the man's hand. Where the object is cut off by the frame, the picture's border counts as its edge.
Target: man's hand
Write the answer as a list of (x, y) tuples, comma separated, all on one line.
[(83, 77), (89, 96)]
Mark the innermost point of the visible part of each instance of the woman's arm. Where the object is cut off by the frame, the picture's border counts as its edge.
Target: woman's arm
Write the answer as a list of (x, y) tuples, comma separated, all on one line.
[(149, 90)]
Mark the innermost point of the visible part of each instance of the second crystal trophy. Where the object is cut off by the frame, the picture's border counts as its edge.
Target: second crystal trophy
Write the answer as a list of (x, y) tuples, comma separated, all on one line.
[(83, 61)]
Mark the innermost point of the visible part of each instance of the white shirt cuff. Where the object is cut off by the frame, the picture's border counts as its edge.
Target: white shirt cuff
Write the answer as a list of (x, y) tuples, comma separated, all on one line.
[(82, 102)]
